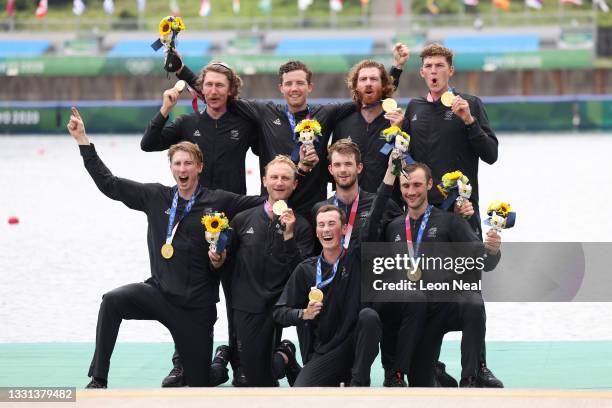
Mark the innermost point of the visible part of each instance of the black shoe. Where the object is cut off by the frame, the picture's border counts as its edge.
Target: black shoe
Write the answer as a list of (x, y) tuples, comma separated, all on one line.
[(444, 379), (292, 369), (219, 373), (486, 379), (223, 354), (175, 378), (394, 379), (240, 379), (96, 383), (469, 382)]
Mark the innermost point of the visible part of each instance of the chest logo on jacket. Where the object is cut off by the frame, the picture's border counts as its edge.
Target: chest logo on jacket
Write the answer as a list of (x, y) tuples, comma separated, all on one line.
[(343, 274), (414, 118), (196, 133), (448, 115), (277, 122), (432, 232), (398, 238), (167, 212), (250, 231), (234, 134)]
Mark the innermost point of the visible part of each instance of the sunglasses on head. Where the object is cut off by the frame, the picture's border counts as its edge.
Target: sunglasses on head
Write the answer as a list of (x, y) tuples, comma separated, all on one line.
[(221, 64)]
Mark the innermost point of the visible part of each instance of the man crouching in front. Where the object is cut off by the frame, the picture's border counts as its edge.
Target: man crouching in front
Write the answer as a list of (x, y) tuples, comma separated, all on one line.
[(338, 338)]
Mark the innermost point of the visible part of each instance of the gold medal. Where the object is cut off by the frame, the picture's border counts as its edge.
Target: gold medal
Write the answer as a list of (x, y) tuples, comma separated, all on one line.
[(414, 275), (315, 294), (167, 250), (389, 105), (279, 207), (447, 99), (180, 85)]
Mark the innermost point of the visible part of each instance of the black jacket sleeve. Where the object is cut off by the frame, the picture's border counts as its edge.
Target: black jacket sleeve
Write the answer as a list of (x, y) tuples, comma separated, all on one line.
[(158, 137), (292, 300), (301, 245), (249, 109), (237, 203), (188, 76), (374, 226), (338, 111), (480, 135), (395, 74), (132, 194)]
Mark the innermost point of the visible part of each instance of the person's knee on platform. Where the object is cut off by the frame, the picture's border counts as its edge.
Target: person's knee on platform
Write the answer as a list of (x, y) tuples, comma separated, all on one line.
[(287, 350), (113, 300)]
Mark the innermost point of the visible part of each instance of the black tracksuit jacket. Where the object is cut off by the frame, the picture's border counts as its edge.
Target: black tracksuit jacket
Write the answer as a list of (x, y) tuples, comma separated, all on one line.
[(187, 279), (443, 142), (223, 142), (262, 260)]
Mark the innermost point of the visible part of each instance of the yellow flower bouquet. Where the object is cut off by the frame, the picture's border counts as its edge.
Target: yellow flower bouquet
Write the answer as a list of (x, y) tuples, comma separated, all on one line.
[(397, 142), (169, 27), (501, 215), (454, 186), (217, 230), (308, 125), (309, 133)]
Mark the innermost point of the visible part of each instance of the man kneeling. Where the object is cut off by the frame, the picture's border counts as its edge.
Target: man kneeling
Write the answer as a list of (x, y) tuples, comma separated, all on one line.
[(338, 338), (184, 287)]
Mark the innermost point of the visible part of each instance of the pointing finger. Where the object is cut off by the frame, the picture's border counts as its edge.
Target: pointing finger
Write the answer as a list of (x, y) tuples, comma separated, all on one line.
[(75, 112)]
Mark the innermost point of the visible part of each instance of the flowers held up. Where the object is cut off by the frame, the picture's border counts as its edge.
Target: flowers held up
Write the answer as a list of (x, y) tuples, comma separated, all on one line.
[(169, 28), (308, 132), (454, 186), (397, 143), (501, 216)]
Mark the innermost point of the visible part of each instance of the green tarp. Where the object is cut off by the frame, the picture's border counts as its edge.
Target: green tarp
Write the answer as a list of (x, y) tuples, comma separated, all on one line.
[(250, 64), (511, 116)]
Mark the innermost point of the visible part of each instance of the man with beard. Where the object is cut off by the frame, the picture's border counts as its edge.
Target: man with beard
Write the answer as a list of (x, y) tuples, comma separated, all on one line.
[(266, 246), (448, 139), (424, 224), (345, 166), (184, 287), (369, 84), (223, 138), (276, 124)]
